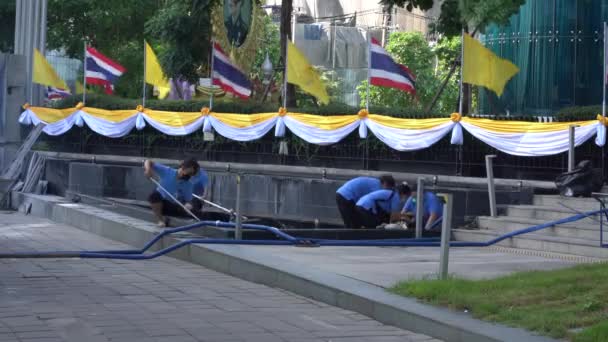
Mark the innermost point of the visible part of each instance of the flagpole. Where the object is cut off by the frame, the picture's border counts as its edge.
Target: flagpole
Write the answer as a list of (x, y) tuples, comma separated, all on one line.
[(211, 75), (604, 75), (84, 76), (461, 71), (369, 67), (604, 81), (285, 75), (143, 102)]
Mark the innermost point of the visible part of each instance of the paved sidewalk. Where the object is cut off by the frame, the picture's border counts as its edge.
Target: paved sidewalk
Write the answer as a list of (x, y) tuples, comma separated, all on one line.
[(44, 300)]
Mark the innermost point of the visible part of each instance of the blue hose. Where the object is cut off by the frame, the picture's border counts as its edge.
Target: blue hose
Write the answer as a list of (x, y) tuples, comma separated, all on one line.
[(287, 240)]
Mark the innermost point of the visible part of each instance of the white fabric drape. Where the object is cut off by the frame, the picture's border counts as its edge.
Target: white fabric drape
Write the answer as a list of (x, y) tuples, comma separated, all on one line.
[(409, 139), (252, 132), (318, 136), (531, 144)]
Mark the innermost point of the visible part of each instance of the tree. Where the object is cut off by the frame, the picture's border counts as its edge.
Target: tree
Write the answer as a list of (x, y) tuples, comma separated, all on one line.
[(471, 15), (114, 27), (183, 31), (409, 4), (412, 50)]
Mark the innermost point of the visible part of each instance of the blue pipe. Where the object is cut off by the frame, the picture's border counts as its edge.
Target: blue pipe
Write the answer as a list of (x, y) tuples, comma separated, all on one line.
[(288, 240)]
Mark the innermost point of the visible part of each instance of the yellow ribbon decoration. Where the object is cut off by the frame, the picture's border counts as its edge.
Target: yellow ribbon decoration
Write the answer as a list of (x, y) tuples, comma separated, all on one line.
[(205, 111), (26, 106), (79, 105), (363, 113), (602, 119), (455, 117), (140, 108), (518, 127), (282, 111)]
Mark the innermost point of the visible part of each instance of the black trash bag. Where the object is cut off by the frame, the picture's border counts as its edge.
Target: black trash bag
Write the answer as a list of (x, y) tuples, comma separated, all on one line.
[(580, 182)]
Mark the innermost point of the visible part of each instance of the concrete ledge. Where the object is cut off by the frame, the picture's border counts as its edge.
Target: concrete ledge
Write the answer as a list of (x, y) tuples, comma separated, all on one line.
[(312, 172), (242, 262)]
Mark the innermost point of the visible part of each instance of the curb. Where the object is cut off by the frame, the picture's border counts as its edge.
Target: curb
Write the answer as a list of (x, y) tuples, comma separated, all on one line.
[(241, 262)]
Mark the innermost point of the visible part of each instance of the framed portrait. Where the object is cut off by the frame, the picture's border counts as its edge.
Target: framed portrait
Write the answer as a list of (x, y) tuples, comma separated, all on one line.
[(235, 28), (237, 20)]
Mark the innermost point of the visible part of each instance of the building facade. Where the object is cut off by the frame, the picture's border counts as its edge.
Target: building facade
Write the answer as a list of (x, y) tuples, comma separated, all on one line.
[(558, 46)]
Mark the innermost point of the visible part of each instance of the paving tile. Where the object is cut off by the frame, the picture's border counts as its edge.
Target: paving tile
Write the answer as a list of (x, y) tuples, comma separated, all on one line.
[(161, 300)]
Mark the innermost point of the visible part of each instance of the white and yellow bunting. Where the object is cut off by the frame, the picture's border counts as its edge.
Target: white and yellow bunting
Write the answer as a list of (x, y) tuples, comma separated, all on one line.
[(512, 137)]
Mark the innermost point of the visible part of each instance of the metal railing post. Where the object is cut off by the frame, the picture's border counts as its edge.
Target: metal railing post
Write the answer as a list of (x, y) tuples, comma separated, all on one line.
[(491, 187), (419, 207), (571, 146), (446, 230), (238, 231)]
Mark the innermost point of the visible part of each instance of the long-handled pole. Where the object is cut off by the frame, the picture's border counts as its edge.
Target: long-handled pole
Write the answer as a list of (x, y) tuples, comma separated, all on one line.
[(215, 205), (84, 76), (174, 199)]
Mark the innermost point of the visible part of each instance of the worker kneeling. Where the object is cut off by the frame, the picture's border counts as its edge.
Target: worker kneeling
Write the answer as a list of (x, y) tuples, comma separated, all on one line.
[(174, 183), (381, 206), (432, 213)]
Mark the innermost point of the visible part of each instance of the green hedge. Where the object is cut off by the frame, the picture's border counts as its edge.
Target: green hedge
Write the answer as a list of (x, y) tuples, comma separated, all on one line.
[(578, 113), (224, 105)]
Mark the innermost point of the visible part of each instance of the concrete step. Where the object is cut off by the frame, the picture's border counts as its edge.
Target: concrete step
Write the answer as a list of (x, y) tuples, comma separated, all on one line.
[(556, 201), (536, 242), (542, 212), (506, 224)]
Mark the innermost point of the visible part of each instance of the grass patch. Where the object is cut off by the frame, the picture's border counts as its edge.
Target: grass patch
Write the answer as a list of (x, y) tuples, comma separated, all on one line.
[(553, 303)]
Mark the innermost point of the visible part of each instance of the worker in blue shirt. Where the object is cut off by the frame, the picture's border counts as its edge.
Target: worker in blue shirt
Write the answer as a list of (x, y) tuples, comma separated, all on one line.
[(349, 193), (172, 181), (381, 206), (199, 188), (432, 213)]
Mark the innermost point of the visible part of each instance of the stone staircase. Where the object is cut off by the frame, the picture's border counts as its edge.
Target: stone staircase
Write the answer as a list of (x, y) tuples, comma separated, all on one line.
[(580, 238)]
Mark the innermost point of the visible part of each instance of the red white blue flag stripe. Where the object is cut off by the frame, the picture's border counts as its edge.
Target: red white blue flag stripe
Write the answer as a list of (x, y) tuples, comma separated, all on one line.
[(227, 75), (385, 72), (53, 93), (101, 70)]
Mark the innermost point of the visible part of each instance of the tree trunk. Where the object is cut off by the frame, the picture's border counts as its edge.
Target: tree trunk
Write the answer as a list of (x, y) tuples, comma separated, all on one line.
[(286, 11)]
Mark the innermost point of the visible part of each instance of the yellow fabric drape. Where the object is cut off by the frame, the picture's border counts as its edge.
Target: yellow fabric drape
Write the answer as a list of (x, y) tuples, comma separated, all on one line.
[(324, 122), (500, 126), (51, 115), (400, 123), (110, 115), (243, 120), (173, 119)]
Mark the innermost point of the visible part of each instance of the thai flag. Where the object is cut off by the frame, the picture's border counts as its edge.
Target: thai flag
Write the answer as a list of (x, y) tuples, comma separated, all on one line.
[(227, 75), (101, 70), (53, 93), (385, 72)]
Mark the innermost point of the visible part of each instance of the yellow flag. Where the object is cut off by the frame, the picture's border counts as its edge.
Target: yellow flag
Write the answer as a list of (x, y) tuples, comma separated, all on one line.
[(45, 74), (482, 67), (155, 75), (302, 74)]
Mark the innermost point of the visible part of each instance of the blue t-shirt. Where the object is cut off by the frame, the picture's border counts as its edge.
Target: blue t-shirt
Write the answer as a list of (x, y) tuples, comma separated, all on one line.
[(199, 182), (432, 204), (180, 189), (358, 187), (388, 200)]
